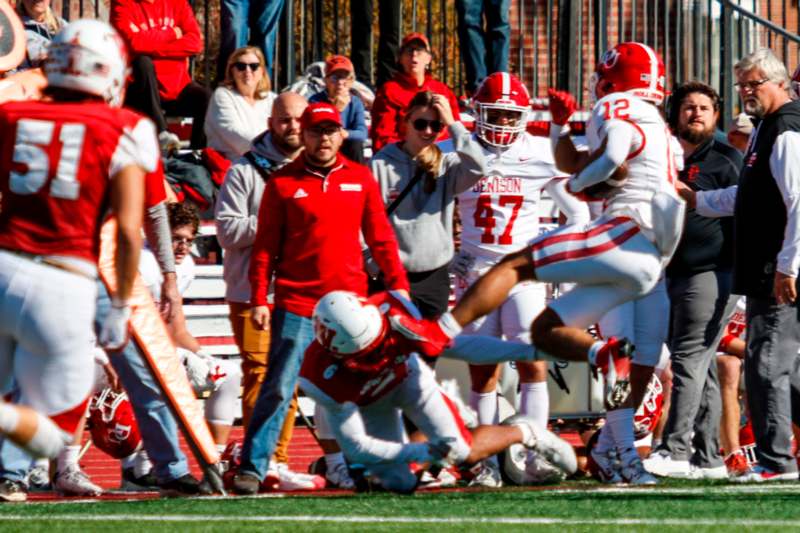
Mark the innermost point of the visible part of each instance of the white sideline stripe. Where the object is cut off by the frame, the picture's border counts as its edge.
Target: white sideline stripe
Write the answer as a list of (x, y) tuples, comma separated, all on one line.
[(688, 522)]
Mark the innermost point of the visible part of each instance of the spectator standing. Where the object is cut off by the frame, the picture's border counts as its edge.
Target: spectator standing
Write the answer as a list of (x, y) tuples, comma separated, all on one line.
[(161, 36), (241, 105), (767, 259), (41, 25), (395, 95), (699, 287), (389, 21), (339, 78), (484, 50), (248, 21), (739, 132), (236, 218), (423, 217), (311, 216)]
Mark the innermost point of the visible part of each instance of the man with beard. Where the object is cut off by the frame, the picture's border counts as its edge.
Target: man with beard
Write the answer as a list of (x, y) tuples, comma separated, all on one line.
[(236, 215), (312, 214), (699, 286)]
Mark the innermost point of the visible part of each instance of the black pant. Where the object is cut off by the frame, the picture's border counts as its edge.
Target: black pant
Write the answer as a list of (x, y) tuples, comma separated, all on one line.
[(430, 291), (389, 19), (142, 95)]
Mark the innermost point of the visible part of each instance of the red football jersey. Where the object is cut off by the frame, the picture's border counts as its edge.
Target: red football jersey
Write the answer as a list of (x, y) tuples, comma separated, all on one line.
[(326, 370), (56, 159)]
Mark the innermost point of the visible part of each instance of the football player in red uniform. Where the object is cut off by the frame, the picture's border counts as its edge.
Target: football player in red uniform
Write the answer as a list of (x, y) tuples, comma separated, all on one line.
[(363, 368), (63, 163)]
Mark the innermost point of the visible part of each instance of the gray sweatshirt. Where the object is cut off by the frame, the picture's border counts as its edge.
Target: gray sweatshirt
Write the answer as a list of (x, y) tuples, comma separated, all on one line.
[(236, 215), (423, 223)]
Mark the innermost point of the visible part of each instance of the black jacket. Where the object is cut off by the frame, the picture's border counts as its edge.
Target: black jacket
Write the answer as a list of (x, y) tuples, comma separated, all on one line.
[(707, 243)]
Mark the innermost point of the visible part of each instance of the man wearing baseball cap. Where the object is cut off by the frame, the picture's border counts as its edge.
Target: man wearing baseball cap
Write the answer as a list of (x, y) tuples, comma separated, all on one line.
[(312, 213), (394, 96), (339, 78)]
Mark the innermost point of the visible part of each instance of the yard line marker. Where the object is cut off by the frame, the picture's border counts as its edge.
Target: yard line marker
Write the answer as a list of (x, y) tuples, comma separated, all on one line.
[(681, 522)]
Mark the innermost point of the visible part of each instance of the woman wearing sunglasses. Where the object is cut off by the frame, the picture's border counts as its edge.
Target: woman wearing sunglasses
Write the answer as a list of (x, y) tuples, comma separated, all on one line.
[(241, 105), (419, 185)]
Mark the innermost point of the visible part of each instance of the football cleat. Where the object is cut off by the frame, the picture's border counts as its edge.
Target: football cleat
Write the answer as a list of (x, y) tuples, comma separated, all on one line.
[(538, 471), (488, 475), (289, 480), (74, 482), (12, 491), (607, 466), (441, 479), (245, 484), (132, 483), (708, 472), (186, 485), (662, 464), (633, 471), (613, 360), (760, 474), (39, 477), (339, 477), (736, 463), (552, 448)]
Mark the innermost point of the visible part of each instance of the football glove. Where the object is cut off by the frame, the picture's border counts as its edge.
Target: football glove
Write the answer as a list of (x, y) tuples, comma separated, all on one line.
[(562, 106), (114, 333)]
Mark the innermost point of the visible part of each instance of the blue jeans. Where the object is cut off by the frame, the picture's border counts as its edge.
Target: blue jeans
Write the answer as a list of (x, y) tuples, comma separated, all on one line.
[(291, 335), (156, 424), (14, 461), (484, 51), (248, 21)]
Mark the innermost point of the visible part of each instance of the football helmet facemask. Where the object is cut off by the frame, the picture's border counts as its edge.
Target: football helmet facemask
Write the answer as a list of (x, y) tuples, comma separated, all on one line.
[(501, 106), (112, 425), (633, 68)]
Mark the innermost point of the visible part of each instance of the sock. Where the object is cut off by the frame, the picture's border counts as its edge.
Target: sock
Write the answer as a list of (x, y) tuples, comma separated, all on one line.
[(333, 460), (606, 440), (48, 440), (534, 401), (485, 404), (128, 462), (68, 458), (9, 418), (142, 465), (449, 325), (593, 351), (621, 422)]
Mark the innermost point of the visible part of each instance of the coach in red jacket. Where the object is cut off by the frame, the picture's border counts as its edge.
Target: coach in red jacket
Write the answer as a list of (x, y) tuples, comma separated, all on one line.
[(161, 36), (309, 222), (395, 95)]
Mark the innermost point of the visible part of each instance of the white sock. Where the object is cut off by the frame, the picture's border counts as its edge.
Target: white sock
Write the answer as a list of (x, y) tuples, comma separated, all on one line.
[(606, 440), (621, 422), (49, 439), (485, 404), (593, 350), (9, 418), (142, 465), (449, 325), (68, 458), (534, 401), (333, 460)]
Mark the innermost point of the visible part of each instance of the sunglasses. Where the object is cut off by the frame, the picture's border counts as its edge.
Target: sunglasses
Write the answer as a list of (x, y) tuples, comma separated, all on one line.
[(182, 241), (241, 66), (421, 125), (336, 78)]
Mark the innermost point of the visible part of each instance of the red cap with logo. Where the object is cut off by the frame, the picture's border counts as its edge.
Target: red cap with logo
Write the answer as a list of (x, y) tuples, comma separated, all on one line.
[(335, 63), (319, 113), (416, 36)]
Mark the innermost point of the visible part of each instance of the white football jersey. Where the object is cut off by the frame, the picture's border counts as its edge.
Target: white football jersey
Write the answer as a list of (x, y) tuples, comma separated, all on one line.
[(500, 214), (654, 160)]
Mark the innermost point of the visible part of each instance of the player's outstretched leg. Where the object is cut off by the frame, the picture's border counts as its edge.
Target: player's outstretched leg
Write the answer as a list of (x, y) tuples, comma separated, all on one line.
[(32, 431)]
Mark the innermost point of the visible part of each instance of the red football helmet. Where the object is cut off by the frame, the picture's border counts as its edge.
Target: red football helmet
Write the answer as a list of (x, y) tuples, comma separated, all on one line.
[(649, 412), (112, 424), (633, 68), (501, 104), (796, 82)]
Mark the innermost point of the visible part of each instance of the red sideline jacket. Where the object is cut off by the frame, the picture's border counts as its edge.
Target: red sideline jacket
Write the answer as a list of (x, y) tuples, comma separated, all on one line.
[(308, 235), (148, 27), (391, 102)]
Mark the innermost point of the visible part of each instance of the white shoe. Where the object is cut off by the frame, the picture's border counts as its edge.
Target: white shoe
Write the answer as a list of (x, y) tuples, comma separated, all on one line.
[(74, 482), (759, 474), (662, 464), (709, 472), (289, 480), (552, 448), (488, 475), (339, 477), (442, 480), (168, 142), (539, 471), (608, 465), (632, 470), (39, 478)]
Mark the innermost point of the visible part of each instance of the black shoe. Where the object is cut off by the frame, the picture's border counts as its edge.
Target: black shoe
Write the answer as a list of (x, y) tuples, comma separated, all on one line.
[(131, 483), (186, 485), (246, 484), (12, 491)]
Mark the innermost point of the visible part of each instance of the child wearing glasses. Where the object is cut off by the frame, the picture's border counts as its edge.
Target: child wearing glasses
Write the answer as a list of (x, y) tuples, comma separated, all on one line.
[(419, 184), (241, 105)]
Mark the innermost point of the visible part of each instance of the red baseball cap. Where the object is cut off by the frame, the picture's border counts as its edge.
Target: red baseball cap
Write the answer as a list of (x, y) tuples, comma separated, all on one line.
[(416, 36), (318, 113), (335, 63)]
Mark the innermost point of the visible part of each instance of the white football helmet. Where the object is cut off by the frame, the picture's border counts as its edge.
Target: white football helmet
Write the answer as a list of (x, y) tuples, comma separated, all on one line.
[(346, 324), (88, 56)]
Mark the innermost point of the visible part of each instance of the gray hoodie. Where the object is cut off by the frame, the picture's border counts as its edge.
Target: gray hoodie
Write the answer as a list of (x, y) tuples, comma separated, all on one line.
[(236, 215), (423, 223)]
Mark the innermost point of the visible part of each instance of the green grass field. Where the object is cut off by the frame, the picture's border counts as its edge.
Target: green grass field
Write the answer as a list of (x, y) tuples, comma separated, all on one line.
[(576, 506)]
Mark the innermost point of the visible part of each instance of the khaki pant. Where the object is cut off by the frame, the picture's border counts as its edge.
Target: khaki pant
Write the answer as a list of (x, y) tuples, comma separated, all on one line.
[(253, 346)]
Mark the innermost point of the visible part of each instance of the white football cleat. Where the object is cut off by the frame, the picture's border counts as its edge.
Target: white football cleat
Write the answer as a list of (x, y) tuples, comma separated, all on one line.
[(442, 480), (759, 474), (74, 482), (662, 464), (708, 472), (539, 471), (290, 480), (339, 477), (552, 448), (488, 475)]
